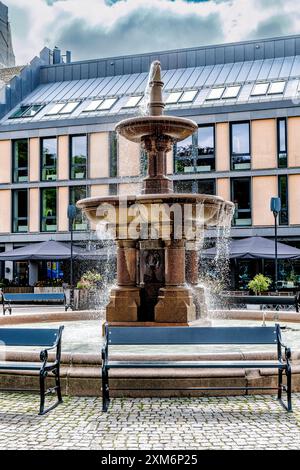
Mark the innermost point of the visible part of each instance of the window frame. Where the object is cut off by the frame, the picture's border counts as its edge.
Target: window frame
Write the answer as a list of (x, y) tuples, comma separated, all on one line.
[(78, 212), (42, 166), (13, 160), (285, 211), (231, 124), (15, 220), (42, 190), (279, 152), (232, 180), (71, 137)]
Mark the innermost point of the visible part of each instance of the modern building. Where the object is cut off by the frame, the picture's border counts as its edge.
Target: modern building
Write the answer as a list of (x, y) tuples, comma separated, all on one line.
[(57, 139), (7, 58)]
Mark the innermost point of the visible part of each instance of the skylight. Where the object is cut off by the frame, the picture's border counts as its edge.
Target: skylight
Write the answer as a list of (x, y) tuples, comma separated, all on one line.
[(27, 111), (276, 88), (93, 105), (260, 89), (132, 102), (215, 93), (231, 91), (188, 96), (56, 109), (107, 104), (173, 97), (69, 107)]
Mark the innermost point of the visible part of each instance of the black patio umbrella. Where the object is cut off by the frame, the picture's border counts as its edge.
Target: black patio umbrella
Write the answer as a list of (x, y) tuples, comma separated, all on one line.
[(256, 248), (46, 251)]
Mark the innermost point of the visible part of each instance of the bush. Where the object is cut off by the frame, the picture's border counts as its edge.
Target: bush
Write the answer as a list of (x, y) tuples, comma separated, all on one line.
[(259, 284), (90, 280)]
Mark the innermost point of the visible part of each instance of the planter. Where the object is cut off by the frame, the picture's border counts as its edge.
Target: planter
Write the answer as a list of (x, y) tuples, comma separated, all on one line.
[(85, 299), (18, 290), (48, 290)]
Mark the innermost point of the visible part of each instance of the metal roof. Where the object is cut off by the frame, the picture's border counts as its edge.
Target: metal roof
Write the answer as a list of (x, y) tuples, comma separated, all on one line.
[(203, 79)]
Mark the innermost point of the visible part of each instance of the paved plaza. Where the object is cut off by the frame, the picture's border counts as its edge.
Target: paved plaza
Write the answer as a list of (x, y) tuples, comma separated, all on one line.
[(252, 422)]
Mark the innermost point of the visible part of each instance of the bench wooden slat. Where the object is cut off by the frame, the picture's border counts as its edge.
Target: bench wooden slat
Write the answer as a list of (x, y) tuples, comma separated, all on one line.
[(261, 299), (193, 335), (28, 336), (195, 364)]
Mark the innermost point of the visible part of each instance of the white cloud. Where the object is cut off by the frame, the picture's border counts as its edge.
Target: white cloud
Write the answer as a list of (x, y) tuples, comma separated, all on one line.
[(36, 23)]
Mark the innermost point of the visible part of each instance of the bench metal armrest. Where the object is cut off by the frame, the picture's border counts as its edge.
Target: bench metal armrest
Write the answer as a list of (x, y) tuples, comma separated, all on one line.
[(57, 346)]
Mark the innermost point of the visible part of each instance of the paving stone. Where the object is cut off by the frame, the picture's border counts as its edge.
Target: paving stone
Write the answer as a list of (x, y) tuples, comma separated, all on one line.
[(243, 422)]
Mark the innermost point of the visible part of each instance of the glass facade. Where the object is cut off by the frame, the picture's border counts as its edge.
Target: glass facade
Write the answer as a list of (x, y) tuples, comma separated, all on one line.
[(20, 210), (49, 159), (113, 154), (196, 153), (48, 210), (207, 186), (20, 160), (240, 146), (241, 197), (77, 193), (78, 152), (283, 194), (282, 143)]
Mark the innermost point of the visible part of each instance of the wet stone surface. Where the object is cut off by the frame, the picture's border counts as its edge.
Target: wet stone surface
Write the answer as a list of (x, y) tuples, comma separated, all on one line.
[(249, 422)]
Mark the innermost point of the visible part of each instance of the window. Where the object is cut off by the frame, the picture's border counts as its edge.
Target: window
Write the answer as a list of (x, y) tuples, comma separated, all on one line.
[(20, 210), (241, 197), (281, 143), (143, 163), (283, 194), (240, 146), (78, 150), (276, 88), (107, 104), (185, 155), (196, 153), (206, 186), (260, 89), (48, 210), (215, 93), (63, 108), (206, 149), (77, 193), (20, 160), (92, 106), (113, 154), (49, 159), (188, 96), (113, 189), (26, 111), (132, 102), (173, 97), (231, 92)]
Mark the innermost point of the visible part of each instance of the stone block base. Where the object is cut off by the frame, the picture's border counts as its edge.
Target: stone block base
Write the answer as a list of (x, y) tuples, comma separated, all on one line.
[(175, 305), (123, 305)]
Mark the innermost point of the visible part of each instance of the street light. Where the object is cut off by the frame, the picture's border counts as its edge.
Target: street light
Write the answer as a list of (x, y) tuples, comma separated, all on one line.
[(276, 208), (71, 217)]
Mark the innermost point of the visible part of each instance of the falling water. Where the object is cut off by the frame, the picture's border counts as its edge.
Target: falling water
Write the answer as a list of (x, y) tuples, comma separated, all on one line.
[(144, 106)]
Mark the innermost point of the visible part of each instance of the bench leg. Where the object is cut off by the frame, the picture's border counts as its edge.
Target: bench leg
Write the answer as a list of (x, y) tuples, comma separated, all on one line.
[(279, 384), (105, 390), (43, 392), (288, 388)]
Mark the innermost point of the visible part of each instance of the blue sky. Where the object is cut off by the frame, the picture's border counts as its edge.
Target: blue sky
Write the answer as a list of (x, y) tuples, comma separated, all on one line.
[(102, 28)]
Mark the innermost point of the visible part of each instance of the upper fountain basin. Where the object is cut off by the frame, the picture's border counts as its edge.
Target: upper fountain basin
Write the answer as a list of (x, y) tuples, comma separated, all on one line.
[(137, 128)]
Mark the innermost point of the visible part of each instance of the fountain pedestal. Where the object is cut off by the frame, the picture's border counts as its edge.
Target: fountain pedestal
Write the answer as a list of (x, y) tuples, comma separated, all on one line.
[(151, 264)]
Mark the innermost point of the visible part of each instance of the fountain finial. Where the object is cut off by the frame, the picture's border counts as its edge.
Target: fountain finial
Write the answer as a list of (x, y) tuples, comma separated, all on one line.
[(156, 104)]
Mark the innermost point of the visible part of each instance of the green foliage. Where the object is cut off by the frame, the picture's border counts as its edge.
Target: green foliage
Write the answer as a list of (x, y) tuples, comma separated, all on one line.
[(259, 284), (90, 280)]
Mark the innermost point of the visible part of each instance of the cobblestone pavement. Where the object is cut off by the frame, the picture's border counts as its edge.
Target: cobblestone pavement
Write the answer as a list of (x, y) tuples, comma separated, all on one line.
[(252, 422)]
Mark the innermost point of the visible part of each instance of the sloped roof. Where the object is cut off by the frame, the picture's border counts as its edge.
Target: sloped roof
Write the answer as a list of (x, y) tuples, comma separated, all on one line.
[(8, 73)]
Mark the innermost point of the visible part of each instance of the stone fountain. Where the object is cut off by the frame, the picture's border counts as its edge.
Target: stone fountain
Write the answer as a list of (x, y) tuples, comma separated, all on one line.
[(159, 232)]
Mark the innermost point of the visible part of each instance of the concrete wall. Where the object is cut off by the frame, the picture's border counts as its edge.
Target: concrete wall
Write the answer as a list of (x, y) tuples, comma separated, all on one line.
[(63, 157), (264, 144), (5, 161), (222, 146), (5, 211), (63, 202), (129, 158), (294, 199), (99, 155), (34, 159), (34, 210), (223, 188), (293, 134), (263, 188)]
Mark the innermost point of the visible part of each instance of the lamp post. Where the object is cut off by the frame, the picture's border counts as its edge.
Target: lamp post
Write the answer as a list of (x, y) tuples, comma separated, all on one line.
[(71, 217), (276, 208)]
